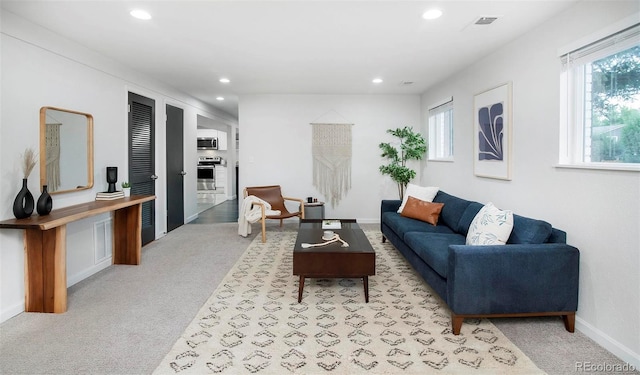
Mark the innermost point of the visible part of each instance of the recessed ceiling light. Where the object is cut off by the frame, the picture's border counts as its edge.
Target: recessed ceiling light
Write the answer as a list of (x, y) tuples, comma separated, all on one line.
[(432, 14), (219, 98), (377, 80), (224, 80), (140, 14)]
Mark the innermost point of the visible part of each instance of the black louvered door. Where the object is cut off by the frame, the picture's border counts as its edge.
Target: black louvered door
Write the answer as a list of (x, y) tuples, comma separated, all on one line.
[(142, 158)]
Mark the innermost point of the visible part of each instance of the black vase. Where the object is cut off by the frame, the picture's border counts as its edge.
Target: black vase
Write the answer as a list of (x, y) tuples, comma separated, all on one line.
[(23, 204), (45, 203)]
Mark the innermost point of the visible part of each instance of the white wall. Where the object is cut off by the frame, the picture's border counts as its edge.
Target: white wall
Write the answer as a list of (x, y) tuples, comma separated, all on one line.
[(41, 69), (276, 144), (599, 210)]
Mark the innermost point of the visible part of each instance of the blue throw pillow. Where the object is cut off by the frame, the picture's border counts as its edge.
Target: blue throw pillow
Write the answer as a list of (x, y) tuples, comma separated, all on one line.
[(529, 231), (452, 210)]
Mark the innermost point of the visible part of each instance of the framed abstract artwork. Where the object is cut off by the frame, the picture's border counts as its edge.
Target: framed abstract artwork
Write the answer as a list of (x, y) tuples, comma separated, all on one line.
[(492, 133)]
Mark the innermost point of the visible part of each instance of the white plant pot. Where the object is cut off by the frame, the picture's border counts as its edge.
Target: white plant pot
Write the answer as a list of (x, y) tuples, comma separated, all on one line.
[(127, 191)]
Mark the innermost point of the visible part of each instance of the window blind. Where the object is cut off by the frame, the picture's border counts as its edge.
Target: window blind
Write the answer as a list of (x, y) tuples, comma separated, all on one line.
[(601, 48), (442, 106), (441, 130)]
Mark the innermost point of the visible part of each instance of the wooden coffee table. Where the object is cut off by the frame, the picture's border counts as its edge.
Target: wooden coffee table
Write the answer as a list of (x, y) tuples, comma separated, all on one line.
[(333, 261)]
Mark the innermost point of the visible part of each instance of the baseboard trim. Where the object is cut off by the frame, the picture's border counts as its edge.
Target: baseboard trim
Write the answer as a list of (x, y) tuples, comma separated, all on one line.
[(11, 311), (74, 279), (607, 342), (368, 221)]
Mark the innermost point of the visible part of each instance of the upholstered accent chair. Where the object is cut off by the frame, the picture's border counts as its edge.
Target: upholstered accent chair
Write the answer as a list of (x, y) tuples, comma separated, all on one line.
[(273, 195)]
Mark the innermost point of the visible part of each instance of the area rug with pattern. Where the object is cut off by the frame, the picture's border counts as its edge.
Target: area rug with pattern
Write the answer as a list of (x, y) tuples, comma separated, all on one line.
[(253, 324)]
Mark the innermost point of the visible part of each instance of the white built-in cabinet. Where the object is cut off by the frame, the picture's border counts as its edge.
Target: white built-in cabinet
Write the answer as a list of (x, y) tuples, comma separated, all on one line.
[(221, 177), (222, 140)]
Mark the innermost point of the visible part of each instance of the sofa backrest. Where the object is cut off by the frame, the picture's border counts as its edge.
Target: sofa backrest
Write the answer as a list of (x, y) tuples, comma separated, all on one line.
[(529, 231), (453, 211), (557, 236), (458, 213), (467, 217)]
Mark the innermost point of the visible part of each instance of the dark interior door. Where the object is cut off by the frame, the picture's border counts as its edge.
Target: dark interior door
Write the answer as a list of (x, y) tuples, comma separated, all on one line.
[(142, 175), (175, 168)]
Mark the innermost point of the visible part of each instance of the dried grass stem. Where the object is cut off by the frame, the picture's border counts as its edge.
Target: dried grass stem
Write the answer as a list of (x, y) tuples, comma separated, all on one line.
[(29, 159)]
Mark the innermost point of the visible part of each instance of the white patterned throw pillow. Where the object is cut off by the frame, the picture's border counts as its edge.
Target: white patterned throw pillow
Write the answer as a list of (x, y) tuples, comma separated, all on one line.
[(424, 193), (491, 226)]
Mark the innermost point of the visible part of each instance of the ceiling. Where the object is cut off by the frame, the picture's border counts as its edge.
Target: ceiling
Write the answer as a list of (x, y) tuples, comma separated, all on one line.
[(290, 47)]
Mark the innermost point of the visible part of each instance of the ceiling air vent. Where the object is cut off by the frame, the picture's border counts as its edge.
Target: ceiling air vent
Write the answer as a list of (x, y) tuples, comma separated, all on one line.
[(485, 20)]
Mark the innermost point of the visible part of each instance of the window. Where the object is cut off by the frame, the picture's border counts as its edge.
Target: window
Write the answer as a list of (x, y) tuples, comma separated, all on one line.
[(600, 106), (441, 131)]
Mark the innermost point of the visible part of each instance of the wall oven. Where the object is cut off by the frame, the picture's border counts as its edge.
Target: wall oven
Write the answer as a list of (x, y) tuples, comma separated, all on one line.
[(207, 143), (207, 172)]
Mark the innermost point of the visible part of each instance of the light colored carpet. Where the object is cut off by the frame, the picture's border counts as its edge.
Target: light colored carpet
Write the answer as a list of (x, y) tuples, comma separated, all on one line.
[(125, 319), (253, 324)]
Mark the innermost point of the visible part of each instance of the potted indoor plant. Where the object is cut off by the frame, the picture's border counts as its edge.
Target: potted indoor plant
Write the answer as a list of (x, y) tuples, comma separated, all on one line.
[(412, 147), (126, 188)]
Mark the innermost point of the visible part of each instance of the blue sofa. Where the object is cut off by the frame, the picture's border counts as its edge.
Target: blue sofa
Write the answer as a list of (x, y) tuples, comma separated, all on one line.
[(534, 274)]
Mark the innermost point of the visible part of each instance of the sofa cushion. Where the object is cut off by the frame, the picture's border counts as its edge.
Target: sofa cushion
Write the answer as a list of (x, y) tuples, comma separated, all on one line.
[(433, 248), (401, 225), (453, 209), (467, 217), (491, 226), (529, 231), (422, 210), (424, 193)]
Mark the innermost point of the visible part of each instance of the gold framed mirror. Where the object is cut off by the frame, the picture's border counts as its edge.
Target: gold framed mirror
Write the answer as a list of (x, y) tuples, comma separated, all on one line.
[(66, 150)]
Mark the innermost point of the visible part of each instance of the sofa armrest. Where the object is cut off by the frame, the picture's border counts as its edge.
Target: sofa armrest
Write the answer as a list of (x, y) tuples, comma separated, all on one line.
[(390, 205), (505, 279)]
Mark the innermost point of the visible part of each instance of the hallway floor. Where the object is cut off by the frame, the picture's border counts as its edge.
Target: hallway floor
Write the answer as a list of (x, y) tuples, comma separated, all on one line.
[(225, 212), (210, 198)]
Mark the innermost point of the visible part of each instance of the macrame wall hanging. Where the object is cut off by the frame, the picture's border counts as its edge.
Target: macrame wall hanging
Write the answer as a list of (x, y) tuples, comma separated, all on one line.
[(331, 149), (52, 145)]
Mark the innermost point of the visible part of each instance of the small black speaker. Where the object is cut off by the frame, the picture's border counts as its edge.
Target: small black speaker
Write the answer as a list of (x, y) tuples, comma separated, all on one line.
[(112, 178)]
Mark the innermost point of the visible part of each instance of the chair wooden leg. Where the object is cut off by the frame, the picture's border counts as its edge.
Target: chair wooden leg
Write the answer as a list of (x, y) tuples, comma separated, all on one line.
[(280, 223), (264, 232)]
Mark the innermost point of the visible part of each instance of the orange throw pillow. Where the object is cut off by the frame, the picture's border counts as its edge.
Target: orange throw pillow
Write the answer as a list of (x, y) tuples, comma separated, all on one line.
[(422, 210)]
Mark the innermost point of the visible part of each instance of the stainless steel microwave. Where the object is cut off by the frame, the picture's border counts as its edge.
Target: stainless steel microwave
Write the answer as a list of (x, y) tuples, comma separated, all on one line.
[(207, 143)]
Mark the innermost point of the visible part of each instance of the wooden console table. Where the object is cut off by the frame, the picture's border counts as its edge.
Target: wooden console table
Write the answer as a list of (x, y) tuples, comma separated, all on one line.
[(45, 246)]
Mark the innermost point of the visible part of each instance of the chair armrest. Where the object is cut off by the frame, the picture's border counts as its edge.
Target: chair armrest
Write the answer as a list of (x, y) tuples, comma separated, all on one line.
[(262, 209), (301, 201), (294, 199), (390, 205), (512, 278)]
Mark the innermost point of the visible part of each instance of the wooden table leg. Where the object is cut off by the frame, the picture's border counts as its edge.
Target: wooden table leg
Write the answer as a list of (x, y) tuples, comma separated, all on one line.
[(127, 240), (46, 270), (300, 287), (365, 281)]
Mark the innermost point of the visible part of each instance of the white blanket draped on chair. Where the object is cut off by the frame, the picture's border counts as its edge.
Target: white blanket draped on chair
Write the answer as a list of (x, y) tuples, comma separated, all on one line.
[(250, 213)]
